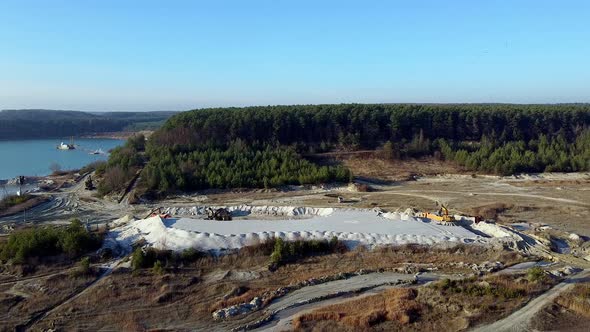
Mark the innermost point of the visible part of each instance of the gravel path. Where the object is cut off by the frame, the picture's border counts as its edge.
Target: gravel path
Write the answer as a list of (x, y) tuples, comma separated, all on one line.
[(283, 320), (295, 303), (519, 320)]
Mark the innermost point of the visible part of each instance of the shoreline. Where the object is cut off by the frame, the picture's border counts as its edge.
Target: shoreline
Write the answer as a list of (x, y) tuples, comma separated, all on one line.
[(121, 135), (35, 157)]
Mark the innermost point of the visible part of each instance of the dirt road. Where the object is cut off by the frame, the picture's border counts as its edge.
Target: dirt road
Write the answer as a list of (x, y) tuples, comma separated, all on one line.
[(520, 320), (283, 320), (108, 269), (312, 297), (73, 202)]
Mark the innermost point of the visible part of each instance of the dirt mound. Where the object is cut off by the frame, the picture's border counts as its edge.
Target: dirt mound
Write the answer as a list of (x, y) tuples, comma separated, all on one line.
[(491, 211)]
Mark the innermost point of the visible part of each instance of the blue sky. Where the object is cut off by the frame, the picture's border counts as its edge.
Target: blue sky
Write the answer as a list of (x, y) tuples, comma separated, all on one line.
[(178, 55)]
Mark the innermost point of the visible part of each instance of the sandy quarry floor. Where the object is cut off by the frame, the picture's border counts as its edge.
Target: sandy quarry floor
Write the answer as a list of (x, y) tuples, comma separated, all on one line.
[(560, 200)]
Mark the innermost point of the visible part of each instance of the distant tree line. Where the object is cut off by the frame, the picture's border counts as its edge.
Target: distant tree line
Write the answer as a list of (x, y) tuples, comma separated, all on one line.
[(28, 124), (547, 154), (369, 126), (263, 146)]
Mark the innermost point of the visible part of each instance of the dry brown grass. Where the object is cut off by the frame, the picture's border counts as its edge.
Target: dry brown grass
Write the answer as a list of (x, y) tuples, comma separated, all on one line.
[(187, 295), (397, 305), (246, 297), (444, 306), (568, 312), (388, 258), (128, 322), (378, 168), (577, 300), (35, 295), (491, 211)]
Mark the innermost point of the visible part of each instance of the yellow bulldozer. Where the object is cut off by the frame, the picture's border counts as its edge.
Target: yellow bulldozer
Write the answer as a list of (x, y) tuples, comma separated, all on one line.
[(442, 215)]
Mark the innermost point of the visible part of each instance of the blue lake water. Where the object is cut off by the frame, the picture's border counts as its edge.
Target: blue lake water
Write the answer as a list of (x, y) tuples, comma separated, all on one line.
[(34, 157)]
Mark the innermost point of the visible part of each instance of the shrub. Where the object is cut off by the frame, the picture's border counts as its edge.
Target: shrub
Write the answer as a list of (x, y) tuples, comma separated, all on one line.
[(75, 239), (277, 255), (99, 166), (535, 274), (150, 257), (190, 255), (138, 259), (83, 268), (158, 268), (114, 179), (471, 287), (136, 142), (285, 252), (84, 265), (264, 248), (72, 240)]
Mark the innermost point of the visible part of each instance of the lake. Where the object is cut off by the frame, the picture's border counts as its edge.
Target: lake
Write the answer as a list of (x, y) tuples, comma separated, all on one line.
[(35, 157)]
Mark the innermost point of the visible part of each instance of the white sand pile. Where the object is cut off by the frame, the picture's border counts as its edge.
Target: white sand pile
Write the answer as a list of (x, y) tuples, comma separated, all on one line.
[(243, 210), (495, 230), (354, 227)]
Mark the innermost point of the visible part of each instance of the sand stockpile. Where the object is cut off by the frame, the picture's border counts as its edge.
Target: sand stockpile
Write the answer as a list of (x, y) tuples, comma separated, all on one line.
[(354, 227)]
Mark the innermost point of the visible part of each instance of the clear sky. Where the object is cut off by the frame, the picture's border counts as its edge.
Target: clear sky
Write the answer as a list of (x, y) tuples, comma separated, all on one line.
[(178, 55)]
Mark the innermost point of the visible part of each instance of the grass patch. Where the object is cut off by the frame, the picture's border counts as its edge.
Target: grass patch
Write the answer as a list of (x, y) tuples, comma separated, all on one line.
[(286, 252), (577, 300), (158, 260), (99, 166), (13, 200), (536, 274), (471, 287), (82, 268), (39, 242)]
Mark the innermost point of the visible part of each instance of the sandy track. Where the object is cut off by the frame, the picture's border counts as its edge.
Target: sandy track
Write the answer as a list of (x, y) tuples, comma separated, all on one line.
[(283, 320), (109, 268), (293, 304), (68, 203), (436, 198), (40, 276), (520, 319)]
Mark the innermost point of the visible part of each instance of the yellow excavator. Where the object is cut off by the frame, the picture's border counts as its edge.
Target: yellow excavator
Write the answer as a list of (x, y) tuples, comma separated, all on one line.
[(442, 215)]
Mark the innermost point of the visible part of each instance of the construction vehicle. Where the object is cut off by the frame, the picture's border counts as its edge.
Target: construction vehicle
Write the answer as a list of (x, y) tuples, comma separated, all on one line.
[(477, 219), (218, 214), (89, 185), (442, 215)]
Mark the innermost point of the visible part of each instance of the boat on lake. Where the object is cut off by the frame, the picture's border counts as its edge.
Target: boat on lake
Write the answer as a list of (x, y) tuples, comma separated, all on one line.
[(99, 151), (63, 146), (70, 146)]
